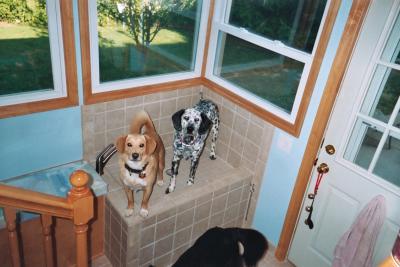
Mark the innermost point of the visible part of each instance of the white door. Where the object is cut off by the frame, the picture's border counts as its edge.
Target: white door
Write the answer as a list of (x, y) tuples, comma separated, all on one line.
[(365, 130)]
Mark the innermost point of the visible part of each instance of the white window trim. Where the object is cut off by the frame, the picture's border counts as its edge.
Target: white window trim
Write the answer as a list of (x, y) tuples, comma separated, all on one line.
[(220, 25), (98, 87), (57, 62)]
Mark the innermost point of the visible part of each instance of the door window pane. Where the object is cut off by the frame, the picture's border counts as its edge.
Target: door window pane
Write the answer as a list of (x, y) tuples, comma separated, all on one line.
[(293, 22), (397, 120), (261, 72), (25, 60), (146, 37), (382, 94), (391, 53), (363, 143), (388, 165)]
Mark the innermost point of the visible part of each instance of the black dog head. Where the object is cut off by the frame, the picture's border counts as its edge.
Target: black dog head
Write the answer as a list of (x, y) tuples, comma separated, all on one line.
[(220, 247)]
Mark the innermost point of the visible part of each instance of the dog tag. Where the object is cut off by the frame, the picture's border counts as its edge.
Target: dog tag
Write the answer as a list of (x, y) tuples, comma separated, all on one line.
[(142, 175)]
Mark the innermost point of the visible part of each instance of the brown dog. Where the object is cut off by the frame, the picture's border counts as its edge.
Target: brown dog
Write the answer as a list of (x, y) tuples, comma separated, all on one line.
[(141, 160)]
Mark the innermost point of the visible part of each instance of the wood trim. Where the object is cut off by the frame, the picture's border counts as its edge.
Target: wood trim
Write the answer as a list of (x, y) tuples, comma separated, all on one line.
[(141, 90), (316, 64), (92, 98), (295, 128), (71, 99), (208, 34), (27, 200), (347, 43), (67, 20), (83, 10), (250, 106)]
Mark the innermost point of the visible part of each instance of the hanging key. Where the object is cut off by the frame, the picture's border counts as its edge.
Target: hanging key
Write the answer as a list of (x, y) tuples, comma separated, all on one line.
[(309, 221)]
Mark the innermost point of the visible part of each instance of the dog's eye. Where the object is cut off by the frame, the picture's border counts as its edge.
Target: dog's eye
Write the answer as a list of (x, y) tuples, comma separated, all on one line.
[(196, 119), (186, 118), (141, 145), (129, 144)]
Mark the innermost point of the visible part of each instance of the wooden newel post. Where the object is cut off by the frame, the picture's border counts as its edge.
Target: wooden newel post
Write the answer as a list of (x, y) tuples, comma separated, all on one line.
[(82, 199)]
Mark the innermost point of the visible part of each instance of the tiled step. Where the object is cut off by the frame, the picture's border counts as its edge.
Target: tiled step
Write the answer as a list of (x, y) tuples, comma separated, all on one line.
[(219, 197)]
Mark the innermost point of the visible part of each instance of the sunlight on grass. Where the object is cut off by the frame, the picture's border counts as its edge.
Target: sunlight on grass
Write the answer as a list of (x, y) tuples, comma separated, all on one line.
[(15, 31), (115, 36)]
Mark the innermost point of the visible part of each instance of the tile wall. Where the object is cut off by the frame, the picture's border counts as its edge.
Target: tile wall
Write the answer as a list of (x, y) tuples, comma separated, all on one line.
[(243, 143)]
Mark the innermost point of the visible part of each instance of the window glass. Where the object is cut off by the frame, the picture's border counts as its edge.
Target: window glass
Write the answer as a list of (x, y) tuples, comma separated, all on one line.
[(146, 37), (391, 53), (388, 165), (293, 22), (25, 60), (363, 143), (261, 72), (383, 94)]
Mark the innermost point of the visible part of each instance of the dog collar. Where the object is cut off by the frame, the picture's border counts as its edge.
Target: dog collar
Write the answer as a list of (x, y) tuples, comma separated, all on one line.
[(141, 172)]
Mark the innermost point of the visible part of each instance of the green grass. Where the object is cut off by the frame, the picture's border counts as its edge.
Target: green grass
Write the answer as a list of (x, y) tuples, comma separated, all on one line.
[(170, 51), (25, 63)]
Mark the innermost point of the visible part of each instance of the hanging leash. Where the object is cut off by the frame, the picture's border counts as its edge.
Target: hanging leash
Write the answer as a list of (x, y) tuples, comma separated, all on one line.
[(322, 169)]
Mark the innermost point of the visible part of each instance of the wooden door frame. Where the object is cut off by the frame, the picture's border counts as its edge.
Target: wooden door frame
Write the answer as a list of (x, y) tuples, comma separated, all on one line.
[(346, 46)]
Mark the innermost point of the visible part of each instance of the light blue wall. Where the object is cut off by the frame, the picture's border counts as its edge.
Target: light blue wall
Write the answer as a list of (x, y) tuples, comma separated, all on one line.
[(42, 140), (39, 141), (287, 152)]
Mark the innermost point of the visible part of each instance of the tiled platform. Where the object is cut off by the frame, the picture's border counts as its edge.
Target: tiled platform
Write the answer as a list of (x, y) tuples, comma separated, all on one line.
[(219, 197)]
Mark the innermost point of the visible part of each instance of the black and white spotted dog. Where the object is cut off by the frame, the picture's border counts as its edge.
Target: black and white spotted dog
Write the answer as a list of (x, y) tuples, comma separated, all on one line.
[(192, 126)]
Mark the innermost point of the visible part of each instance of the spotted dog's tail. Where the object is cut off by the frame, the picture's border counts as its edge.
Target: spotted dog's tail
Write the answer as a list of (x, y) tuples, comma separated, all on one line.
[(141, 119)]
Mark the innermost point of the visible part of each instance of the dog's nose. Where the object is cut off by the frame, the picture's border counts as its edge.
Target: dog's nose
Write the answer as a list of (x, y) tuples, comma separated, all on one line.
[(190, 129), (135, 155)]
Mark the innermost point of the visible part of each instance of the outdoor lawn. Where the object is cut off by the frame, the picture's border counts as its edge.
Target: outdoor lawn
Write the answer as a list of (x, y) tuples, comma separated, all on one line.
[(170, 51), (24, 59)]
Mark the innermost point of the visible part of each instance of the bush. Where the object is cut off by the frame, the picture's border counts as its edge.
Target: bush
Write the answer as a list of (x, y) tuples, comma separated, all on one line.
[(18, 11), (15, 11)]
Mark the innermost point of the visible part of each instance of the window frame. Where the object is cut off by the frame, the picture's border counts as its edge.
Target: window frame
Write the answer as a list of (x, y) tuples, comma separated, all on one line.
[(62, 47), (292, 122), (293, 128), (94, 91)]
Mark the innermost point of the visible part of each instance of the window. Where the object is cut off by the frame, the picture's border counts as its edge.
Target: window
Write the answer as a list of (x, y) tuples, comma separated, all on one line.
[(262, 50), (32, 66), (136, 43), (374, 143)]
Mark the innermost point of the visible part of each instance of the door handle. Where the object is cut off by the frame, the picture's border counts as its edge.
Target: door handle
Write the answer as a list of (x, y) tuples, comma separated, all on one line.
[(330, 149), (323, 168)]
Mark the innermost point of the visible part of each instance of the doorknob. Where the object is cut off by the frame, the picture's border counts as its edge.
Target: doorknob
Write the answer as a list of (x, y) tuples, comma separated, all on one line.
[(330, 149), (323, 168)]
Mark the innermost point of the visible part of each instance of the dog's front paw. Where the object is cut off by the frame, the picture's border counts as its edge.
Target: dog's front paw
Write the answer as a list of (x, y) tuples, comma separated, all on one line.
[(143, 212), (160, 182), (169, 189), (213, 157), (190, 181), (128, 212)]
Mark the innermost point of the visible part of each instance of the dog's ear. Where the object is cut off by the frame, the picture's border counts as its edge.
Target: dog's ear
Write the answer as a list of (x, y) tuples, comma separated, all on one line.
[(120, 143), (151, 144), (205, 124), (176, 119)]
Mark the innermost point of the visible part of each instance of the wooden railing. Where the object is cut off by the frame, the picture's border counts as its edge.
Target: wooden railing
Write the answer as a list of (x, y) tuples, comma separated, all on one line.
[(78, 207)]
